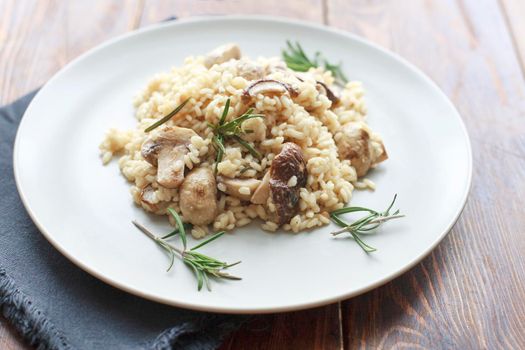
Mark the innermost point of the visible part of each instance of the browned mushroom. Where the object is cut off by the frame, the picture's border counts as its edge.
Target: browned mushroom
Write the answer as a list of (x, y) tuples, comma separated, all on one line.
[(268, 87), (239, 188), (262, 192), (287, 175), (165, 150), (198, 196), (325, 90), (356, 142), (222, 54)]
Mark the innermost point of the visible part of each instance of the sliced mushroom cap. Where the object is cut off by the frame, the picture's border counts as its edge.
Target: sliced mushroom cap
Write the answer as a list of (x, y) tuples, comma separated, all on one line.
[(262, 192), (357, 143), (325, 90), (222, 54), (287, 164), (148, 198), (239, 188), (249, 70), (165, 150), (267, 87), (198, 196), (276, 65)]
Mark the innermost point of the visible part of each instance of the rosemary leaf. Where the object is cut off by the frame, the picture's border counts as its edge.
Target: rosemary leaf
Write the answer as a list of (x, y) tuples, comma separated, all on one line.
[(176, 231), (234, 126), (387, 211), (225, 112), (352, 210), (166, 118), (363, 245), (198, 272), (180, 225), (218, 142), (206, 281), (212, 238), (170, 252), (235, 263), (249, 147)]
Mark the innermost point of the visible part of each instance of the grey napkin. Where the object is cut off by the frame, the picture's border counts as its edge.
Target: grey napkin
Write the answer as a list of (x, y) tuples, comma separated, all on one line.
[(55, 305)]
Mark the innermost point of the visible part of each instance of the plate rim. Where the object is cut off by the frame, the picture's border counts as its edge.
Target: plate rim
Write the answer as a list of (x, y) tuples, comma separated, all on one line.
[(253, 310)]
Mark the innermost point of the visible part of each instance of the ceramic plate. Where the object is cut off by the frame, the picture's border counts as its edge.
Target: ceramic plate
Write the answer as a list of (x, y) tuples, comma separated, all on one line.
[(84, 209)]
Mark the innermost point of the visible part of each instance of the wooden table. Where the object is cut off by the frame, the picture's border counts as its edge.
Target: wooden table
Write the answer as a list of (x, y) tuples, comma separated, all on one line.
[(470, 292)]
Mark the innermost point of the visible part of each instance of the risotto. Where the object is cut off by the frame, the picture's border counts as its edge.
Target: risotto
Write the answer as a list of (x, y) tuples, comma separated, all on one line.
[(296, 147)]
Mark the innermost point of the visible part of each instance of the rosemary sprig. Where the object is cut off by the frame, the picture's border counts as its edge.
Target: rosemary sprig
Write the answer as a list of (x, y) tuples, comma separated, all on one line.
[(231, 130), (364, 225), (297, 60), (202, 265), (166, 118)]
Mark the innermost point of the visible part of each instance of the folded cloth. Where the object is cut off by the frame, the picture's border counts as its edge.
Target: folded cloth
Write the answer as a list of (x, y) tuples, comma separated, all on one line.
[(55, 305)]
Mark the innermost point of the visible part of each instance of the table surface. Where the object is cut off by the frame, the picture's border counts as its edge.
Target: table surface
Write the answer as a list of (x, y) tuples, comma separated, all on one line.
[(469, 293)]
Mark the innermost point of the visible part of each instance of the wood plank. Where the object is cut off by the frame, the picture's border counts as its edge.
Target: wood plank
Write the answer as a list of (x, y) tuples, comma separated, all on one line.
[(514, 11), (309, 329), (157, 10), (9, 340), (37, 37), (469, 293)]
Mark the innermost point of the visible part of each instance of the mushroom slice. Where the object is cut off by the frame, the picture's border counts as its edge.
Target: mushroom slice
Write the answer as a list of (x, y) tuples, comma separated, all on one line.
[(222, 54), (198, 196), (249, 70), (363, 148), (284, 191), (323, 89), (239, 188), (276, 66), (148, 199), (165, 150), (267, 87), (262, 192)]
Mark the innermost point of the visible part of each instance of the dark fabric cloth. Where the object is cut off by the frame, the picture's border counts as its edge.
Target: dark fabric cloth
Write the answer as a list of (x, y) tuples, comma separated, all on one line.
[(55, 305)]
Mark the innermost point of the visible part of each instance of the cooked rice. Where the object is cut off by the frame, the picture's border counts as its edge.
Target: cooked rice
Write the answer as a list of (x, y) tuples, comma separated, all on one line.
[(306, 120)]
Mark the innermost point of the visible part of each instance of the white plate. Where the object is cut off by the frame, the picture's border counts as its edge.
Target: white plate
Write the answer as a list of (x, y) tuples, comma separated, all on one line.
[(85, 209)]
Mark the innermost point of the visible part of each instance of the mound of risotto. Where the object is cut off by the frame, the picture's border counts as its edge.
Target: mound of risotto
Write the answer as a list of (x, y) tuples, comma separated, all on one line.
[(255, 140)]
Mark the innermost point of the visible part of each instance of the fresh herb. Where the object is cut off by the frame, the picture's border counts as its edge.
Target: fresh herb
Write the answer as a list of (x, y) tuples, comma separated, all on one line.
[(168, 117), (296, 59), (203, 266), (176, 231), (364, 225), (231, 130)]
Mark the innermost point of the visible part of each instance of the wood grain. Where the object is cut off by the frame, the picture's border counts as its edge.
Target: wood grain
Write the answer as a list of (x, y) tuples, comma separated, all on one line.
[(514, 10), (309, 329), (37, 37), (469, 293), (157, 10), (9, 340)]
